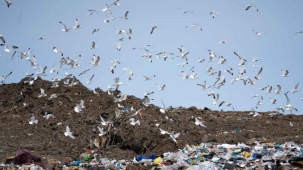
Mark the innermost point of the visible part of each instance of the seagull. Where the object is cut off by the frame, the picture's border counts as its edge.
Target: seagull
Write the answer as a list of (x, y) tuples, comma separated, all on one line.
[(42, 93), (153, 28), (102, 132), (111, 68), (148, 93), (291, 124), (148, 78), (133, 122), (146, 101), (198, 122), (118, 46), (161, 88), (195, 25), (284, 73), (68, 133), (83, 72), (255, 59), (8, 48), (8, 2), (129, 32), (78, 108), (204, 86), (288, 106), (279, 90), (224, 41), (117, 83), (242, 60), (2, 38), (130, 72), (54, 70), (185, 11), (163, 132), (3, 78), (41, 38), (269, 89), (257, 77), (57, 50), (200, 60), (53, 95), (229, 70), (174, 136), (96, 61), (295, 89), (93, 45), (33, 120), (163, 110), (77, 24), (216, 99), (214, 14), (95, 30), (90, 79), (64, 29), (125, 15), (257, 33), (300, 32), (103, 122), (47, 116), (251, 6), (273, 101)]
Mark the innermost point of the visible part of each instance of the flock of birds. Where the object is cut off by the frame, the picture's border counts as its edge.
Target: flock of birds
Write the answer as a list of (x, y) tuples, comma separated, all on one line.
[(70, 80)]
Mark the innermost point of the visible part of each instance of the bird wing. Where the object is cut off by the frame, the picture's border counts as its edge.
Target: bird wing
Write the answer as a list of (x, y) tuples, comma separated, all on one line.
[(163, 104), (2, 38), (260, 71), (91, 77), (63, 25), (287, 99), (125, 15), (152, 30)]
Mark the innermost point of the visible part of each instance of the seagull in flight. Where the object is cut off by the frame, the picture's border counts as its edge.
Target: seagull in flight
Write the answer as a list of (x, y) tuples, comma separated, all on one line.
[(174, 136), (8, 48), (77, 24), (214, 14), (163, 110), (78, 108), (288, 106), (146, 101), (64, 29), (95, 30), (117, 83), (41, 38), (148, 78), (298, 32), (224, 41), (153, 28), (125, 15), (3, 78), (204, 86), (250, 6), (42, 93), (68, 133), (93, 45), (83, 72), (33, 120), (90, 79), (198, 122), (102, 132), (8, 3), (2, 38), (133, 122), (195, 25), (185, 11), (295, 89), (161, 88), (284, 73)]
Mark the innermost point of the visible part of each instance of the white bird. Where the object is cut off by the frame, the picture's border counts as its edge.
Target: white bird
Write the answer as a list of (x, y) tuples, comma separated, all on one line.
[(54, 70), (269, 89), (125, 15), (57, 50), (148, 93), (295, 89), (96, 61), (77, 24), (2, 38), (200, 60), (118, 46), (130, 72), (279, 90), (68, 133), (229, 70), (224, 41), (214, 14), (273, 101), (79, 107), (195, 25), (102, 132), (90, 79), (148, 78), (184, 11), (257, 77), (8, 3), (47, 116), (133, 122), (95, 30), (103, 122), (251, 6), (153, 28), (3, 78), (289, 106), (115, 62), (255, 59), (64, 29), (163, 110), (146, 101), (174, 136), (8, 48), (163, 132), (52, 96), (42, 93), (284, 73), (93, 45), (291, 124), (204, 86), (300, 32), (117, 83), (198, 122), (216, 99), (160, 88), (33, 120)]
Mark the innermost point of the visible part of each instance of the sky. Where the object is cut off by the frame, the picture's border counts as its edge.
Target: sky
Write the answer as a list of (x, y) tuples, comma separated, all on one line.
[(278, 47)]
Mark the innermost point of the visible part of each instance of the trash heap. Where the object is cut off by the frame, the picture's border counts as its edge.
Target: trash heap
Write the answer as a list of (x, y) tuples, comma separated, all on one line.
[(208, 156)]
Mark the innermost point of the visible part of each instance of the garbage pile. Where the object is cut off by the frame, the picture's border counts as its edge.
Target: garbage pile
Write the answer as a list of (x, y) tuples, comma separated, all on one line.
[(208, 156)]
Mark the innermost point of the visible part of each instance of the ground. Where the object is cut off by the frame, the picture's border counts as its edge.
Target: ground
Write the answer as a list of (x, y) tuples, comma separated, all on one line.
[(20, 101)]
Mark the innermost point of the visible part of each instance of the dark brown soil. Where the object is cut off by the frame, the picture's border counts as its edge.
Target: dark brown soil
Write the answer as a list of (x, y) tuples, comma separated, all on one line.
[(46, 139)]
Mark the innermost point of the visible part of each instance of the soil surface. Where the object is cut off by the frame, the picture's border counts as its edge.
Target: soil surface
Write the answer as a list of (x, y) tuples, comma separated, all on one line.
[(20, 101)]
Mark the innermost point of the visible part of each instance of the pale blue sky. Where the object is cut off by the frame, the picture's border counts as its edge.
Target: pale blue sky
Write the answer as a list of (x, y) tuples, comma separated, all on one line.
[(278, 48)]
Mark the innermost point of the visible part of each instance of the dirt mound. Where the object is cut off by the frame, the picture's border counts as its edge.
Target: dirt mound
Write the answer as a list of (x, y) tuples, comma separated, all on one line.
[(20, 101)]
